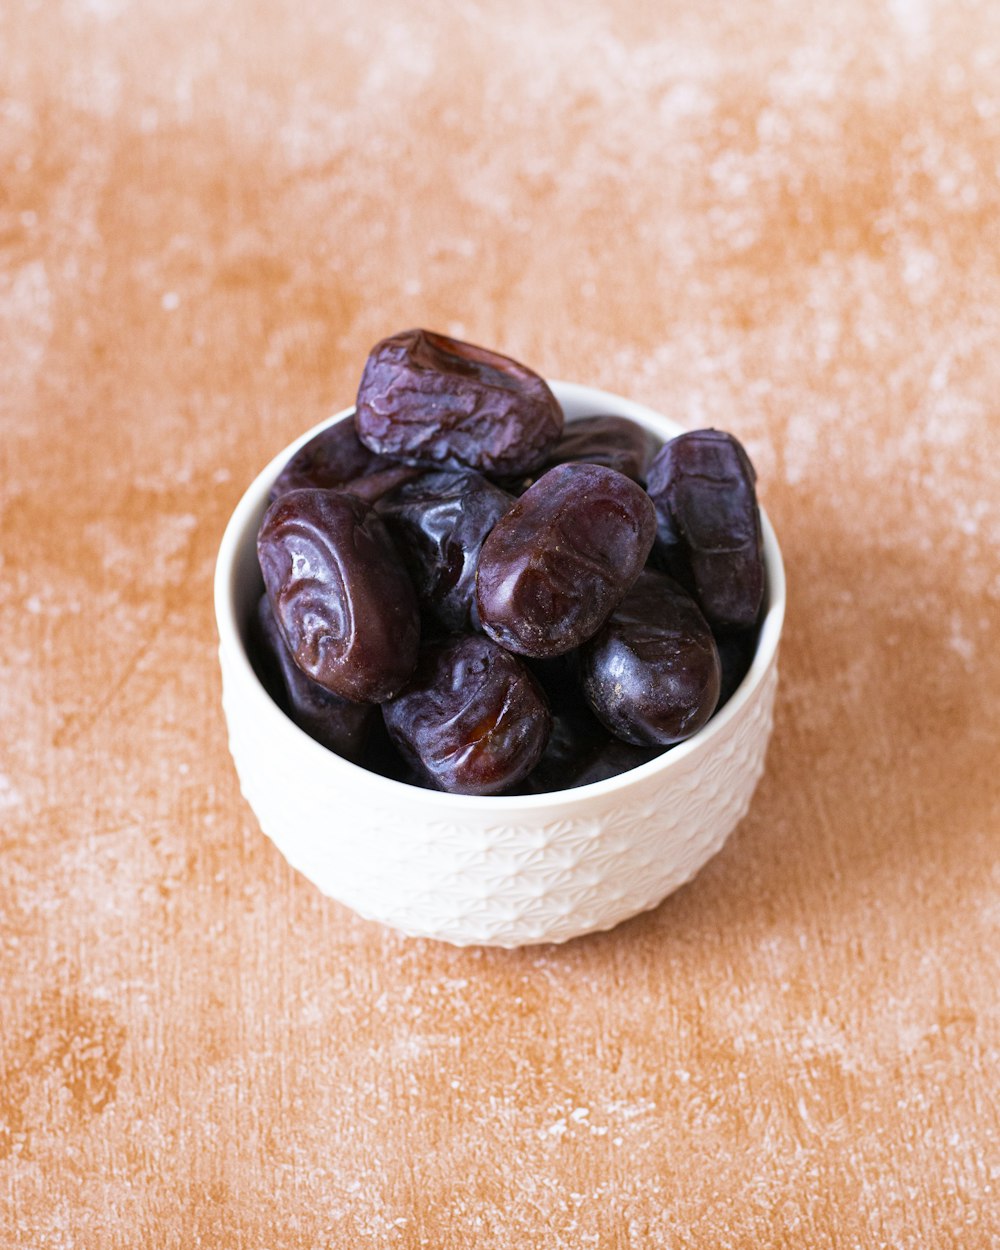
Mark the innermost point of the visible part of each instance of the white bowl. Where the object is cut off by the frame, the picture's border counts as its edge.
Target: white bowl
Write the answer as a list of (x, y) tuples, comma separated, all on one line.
[(495, 871)]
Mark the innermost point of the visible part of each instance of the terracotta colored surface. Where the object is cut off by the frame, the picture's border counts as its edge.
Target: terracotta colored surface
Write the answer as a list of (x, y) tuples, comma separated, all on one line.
[(783, 221)]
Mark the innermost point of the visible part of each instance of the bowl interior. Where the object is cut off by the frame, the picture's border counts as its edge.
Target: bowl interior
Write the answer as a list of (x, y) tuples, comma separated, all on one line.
[(238, 586)]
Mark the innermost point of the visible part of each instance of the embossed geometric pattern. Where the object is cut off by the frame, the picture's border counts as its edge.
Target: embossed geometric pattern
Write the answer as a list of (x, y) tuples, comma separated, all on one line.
[(433, 867)]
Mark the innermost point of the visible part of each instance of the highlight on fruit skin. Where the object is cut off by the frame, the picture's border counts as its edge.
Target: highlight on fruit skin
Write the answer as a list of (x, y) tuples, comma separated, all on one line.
[(708, 524), (652, 673), (428, 399), (340, 594), (561, 559), (473, 720)]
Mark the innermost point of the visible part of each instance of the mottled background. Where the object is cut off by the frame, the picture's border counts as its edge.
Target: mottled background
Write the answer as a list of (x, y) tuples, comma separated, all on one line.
[(780, 218)]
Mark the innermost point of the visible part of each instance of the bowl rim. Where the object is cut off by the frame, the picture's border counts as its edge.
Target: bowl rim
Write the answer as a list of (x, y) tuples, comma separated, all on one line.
[(251, 505)]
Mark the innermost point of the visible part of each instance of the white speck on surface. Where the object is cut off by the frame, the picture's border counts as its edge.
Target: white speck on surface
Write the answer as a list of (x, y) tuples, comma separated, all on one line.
[(9, 796), (959, 641), (170, 301), (913, 17), (105, 10), (25, 316), (801, 442)]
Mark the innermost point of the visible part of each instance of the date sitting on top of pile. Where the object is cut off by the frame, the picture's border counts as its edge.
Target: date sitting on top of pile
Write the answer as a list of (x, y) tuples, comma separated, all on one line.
[(519, 608)]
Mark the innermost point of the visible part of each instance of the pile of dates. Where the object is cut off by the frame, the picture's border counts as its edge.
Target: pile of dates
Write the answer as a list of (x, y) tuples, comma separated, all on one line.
[(462, 594)]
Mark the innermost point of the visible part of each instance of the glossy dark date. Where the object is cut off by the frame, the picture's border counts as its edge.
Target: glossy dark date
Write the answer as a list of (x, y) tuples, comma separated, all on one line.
[(473, 720), (439, 523), (554, 567), (613, 441), (703, 486), (430, 399), (337, 724), (340, 594), (336, 459), (652, 674)]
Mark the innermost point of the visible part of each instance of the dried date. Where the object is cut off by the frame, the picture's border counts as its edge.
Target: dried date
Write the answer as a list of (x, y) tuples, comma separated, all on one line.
[(336, 459), (652, 674), (439, 523), (703, 486), (613, 441), (430, 399), (340, 726), (473, 720), (555, 566), (340, 594)]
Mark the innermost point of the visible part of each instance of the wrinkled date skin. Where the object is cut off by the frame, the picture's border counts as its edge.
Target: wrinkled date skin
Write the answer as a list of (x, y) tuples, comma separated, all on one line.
[(430, 399), (336, 459), (340, 726), (703, 486), (555, 566), (613, 441), (473, 720), (652, 674), (340, 594), (439, 523)]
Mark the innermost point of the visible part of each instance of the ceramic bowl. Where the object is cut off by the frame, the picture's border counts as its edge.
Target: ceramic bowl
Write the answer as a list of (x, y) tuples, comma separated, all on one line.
[(494, 871)]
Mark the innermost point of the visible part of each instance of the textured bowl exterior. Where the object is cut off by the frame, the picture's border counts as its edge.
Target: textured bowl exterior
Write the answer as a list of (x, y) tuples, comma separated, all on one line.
[(470, 870)]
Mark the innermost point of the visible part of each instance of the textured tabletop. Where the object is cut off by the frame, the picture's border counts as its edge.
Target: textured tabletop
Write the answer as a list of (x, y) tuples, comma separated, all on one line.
[(780, 219)]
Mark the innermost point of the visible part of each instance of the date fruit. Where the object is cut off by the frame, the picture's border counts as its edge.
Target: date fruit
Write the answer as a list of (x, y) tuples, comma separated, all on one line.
[(473, 720), (702, 484), (340, 726), (529, 616), (555, 566), (613, 441), (439, 523), (426, 398), (336, 459), (340, 594), (652, 673)]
